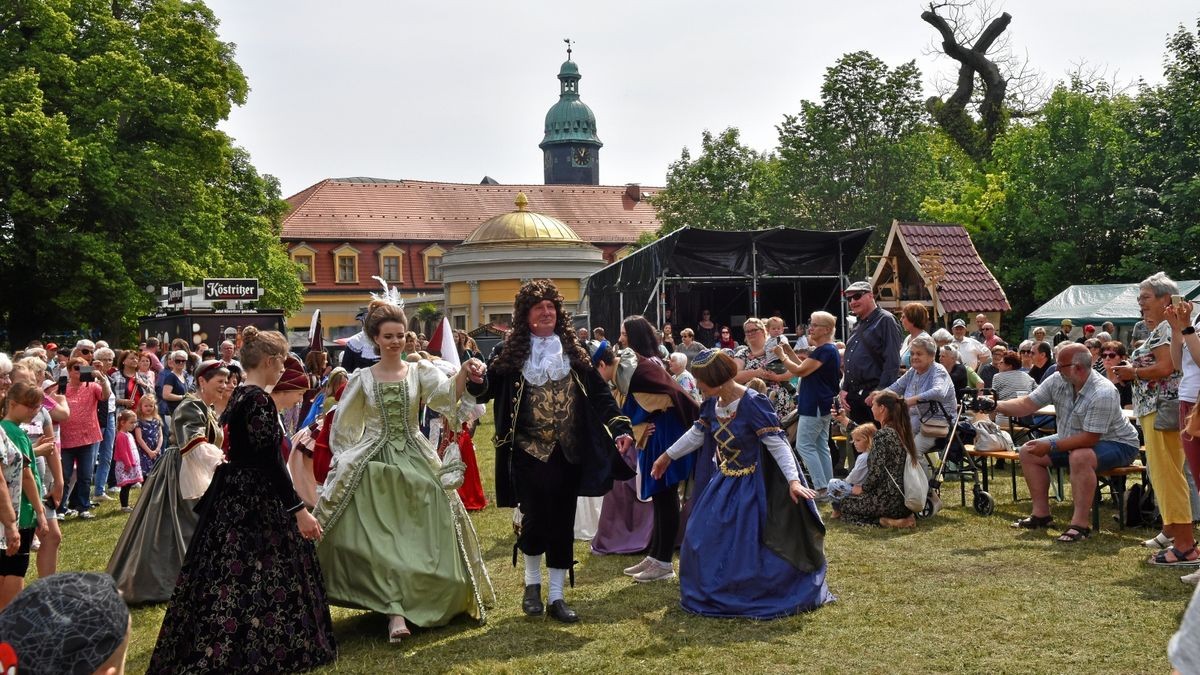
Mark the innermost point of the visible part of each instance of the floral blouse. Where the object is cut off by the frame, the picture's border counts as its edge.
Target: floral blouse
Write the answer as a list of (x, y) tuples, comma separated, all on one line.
[(781, 400), (1146, 393)]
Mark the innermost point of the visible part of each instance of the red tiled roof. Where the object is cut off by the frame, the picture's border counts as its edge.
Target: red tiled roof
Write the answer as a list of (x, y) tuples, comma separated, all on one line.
[(968, 285), (336, 209)]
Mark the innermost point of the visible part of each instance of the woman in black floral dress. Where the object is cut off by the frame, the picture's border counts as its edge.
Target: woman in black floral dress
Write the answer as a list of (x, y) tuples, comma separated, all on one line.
[(250, 597), (882, 501)]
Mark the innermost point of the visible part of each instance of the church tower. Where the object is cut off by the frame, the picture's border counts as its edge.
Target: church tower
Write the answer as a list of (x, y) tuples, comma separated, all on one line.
[(570, 149)]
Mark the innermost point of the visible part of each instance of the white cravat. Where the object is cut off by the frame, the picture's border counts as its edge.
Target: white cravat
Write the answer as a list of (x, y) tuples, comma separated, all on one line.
[(546, 360)]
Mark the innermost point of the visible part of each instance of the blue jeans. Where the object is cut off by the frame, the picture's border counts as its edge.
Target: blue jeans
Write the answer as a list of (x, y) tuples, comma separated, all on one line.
[(105, 454), (83, 458), (812, 444)]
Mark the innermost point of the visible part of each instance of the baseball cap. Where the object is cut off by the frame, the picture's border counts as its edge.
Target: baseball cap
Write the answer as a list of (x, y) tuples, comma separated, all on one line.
[(959, 322), (50, 346), (1067, 323), (857, 287)]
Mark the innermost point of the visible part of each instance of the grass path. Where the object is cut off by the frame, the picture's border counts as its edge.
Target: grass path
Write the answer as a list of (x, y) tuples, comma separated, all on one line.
[(962, 593)]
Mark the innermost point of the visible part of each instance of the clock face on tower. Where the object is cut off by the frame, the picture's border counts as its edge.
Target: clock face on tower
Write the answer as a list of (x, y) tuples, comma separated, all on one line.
[(581, 157)]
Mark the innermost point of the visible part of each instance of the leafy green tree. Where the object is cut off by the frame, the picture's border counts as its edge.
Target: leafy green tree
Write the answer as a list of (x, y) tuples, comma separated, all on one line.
[(1166, 129), (1067, 211), (729, 186), (113, 174), (862, 156)]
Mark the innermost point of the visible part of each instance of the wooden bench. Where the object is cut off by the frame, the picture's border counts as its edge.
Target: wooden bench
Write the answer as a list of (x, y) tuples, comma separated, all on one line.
[(988, 456), (1114, 479)]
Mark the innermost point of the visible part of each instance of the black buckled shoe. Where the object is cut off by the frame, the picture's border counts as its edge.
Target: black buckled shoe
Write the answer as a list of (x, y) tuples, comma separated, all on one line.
[(560, 612), (532, 603)]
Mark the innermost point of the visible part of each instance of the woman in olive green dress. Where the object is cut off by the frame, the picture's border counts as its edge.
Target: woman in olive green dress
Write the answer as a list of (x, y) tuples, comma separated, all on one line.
[(396, 540)]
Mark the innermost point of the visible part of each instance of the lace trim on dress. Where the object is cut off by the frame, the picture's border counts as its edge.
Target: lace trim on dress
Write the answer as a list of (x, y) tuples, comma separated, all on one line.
[(546, 360)]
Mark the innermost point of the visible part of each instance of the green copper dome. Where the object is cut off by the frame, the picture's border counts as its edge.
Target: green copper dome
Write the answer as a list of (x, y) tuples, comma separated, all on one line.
[(570, 120)]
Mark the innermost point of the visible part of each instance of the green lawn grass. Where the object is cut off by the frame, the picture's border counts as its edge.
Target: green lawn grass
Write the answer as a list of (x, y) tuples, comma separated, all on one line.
[(961, 593)]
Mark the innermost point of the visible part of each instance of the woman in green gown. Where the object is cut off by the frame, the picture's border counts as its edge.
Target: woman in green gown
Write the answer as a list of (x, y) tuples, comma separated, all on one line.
[(396, 541)]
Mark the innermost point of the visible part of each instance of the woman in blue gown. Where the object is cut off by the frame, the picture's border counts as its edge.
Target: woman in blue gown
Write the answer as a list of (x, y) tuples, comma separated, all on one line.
[(653, 397), (754, 545)]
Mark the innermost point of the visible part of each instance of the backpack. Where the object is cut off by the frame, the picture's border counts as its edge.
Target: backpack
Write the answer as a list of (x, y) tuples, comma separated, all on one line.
[(1141, 509), (916, 485)]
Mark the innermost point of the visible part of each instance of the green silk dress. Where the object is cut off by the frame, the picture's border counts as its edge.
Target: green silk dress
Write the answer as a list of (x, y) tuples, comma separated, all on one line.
[(395, 541)]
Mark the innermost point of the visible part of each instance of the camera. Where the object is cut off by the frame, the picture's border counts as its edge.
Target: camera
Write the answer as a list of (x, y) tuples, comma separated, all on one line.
[(87, 374), (978, 400)]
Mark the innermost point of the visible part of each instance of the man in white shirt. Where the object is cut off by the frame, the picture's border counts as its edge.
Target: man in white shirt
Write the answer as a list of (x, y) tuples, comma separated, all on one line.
[(972, 351)]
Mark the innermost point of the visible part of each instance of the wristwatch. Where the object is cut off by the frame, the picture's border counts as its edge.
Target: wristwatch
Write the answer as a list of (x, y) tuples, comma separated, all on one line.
[(1190, 330)]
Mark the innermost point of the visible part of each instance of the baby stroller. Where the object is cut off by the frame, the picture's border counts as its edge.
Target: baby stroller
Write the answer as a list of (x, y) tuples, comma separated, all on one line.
[(952, 447)]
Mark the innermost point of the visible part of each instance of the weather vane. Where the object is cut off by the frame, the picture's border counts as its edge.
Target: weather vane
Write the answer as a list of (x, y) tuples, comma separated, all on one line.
[(569, 42)]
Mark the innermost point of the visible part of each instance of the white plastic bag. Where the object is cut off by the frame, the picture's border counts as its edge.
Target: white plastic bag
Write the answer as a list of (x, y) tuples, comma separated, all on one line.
[(991, 438), (916, 486)]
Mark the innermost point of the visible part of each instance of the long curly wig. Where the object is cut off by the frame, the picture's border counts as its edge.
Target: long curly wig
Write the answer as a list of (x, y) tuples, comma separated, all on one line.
[(516, 349)]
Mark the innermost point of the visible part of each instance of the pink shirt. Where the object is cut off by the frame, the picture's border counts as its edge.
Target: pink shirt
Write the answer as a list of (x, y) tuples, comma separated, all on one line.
[(83, 426)]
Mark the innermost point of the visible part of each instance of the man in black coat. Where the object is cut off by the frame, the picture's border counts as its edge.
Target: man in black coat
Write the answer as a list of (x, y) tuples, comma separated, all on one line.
[(558, 430)]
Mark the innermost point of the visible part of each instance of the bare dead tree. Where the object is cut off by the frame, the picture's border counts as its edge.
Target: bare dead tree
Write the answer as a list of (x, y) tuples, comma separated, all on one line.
[(988, 75)]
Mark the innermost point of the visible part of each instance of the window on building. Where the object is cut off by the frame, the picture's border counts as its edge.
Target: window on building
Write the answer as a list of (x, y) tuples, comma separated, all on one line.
[(304, 267), (460, 322), (305, 257), (433, 263), (391, 263), (346, 264), (391, 268)]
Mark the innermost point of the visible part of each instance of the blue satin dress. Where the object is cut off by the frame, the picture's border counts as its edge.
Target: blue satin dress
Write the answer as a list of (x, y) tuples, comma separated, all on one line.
[(668, 427), (725, 570)]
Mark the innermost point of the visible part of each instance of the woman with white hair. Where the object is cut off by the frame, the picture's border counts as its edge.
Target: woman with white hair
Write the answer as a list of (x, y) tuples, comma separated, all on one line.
[(1155, 391), (928, 391), (171, 387), (678, 367)]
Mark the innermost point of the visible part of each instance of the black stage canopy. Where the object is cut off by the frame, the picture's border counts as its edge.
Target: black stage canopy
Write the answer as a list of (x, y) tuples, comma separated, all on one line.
[(801, 270)]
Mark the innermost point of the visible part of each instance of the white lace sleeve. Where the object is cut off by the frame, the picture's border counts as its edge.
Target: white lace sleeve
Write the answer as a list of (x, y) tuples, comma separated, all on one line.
[(688, 443), (782, 453)]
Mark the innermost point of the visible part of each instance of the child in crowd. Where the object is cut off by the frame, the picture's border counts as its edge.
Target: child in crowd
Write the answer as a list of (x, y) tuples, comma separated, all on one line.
[(21, 404), (148, 432), (861, 436), (129, 469), (775, 334)]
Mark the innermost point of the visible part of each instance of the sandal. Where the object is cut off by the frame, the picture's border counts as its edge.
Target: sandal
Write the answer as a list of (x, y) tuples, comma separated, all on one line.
[(1074, 534), (1181, 558), (1033, 522)]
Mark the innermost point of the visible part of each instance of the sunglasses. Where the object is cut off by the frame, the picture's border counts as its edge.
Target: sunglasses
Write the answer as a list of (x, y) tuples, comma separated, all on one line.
[(85, 351), (854, 297), (1026, 351), (752, 331), (724, 332), (180, 360), (1109, 355), (75, 368)]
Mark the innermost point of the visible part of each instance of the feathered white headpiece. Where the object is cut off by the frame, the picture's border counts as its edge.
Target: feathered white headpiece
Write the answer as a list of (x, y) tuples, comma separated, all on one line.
[(390, 294)]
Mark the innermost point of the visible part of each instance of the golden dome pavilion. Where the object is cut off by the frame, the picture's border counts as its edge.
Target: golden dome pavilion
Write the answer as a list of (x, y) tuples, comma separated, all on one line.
[(481, 276), (523, 227)]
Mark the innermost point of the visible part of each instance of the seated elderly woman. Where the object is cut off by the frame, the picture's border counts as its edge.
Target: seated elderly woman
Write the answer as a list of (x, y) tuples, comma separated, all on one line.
[(882, 498), (962, 376), (928, 392), (1011, 382)]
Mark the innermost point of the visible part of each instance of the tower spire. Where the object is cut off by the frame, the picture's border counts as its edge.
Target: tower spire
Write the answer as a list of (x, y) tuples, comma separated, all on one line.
[(569, 42)]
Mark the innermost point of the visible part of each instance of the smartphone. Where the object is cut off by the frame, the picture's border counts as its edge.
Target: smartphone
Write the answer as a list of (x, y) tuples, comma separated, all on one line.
[(87, 374), (62, 384), (1176, 300)]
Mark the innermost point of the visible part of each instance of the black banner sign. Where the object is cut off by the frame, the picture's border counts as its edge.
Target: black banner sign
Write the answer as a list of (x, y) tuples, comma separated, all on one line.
[(231, 289)]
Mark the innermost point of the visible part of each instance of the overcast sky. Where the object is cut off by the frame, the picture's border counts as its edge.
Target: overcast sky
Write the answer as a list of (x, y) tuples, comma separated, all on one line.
[(453, 90)]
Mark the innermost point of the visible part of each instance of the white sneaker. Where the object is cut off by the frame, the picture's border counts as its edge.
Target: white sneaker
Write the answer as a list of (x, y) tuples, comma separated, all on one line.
[(101, 498), (1193, 578), (640, 567), (86, 515), (656, 572), (1159, 542)]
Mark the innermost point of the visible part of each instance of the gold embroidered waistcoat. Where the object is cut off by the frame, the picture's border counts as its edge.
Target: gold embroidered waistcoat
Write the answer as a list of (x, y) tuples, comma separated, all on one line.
[(547, 417)]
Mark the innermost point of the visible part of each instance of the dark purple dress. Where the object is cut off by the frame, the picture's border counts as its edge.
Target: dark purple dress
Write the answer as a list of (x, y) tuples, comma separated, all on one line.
[(250, 597)]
